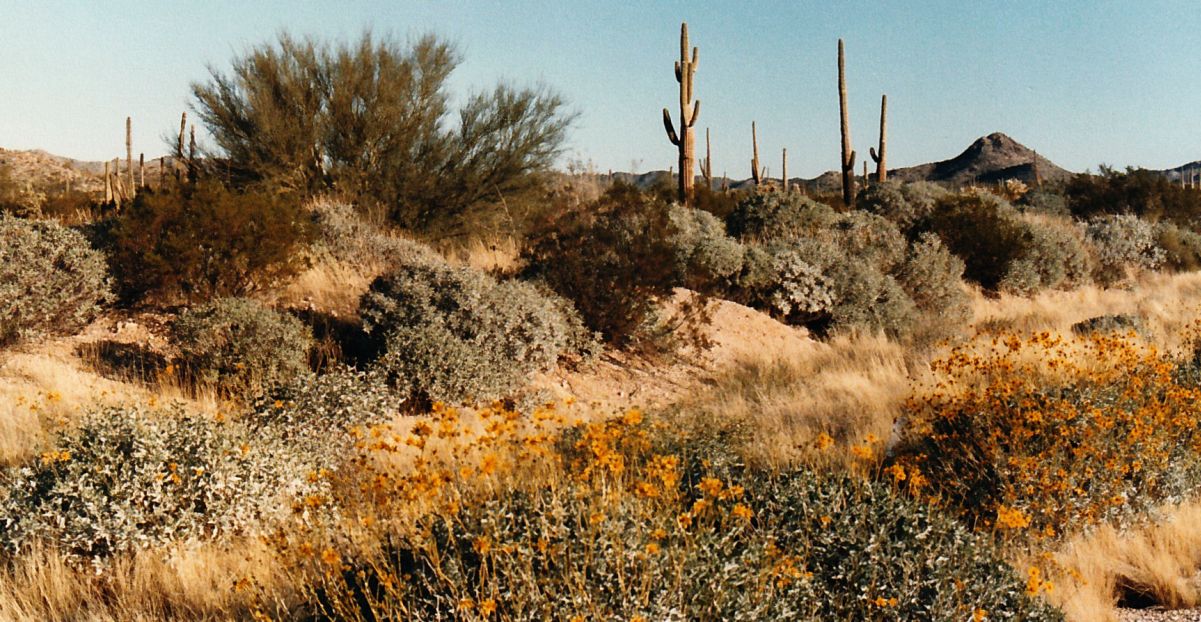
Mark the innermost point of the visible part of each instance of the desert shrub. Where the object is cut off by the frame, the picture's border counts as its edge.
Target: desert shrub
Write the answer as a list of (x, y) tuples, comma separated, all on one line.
[(1053, 255), (343, 234), (705, 257), (933, 279), (241, 346), (1005, 250), (1181, 246), (613, 520), (454, 334), (1144, 193), (868, 238), (720, 203), (372, 119), (1123, 242), (69, 207), (202, 241), (1045, 201), (788, 281), (767, 216), (982, 230), (1032, 436), (317, 415), (51, 279), (127, 478), (866, 298), (613, 259)]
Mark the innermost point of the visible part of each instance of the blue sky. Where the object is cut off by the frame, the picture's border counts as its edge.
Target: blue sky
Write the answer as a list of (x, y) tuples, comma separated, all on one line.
[(1082, 82)]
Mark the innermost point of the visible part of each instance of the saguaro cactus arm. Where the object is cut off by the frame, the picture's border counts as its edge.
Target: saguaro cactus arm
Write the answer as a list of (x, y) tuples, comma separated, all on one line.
[(671, 131), (880, 158)]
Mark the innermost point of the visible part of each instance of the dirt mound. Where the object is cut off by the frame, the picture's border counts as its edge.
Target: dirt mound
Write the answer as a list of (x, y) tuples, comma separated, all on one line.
[(621, 379)]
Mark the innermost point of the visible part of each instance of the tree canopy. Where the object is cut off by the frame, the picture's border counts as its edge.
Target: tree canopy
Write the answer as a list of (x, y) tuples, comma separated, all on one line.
[(372, 120)]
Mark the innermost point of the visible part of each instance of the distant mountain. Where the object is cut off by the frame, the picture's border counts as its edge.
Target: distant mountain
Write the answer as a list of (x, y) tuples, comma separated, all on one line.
[(990, 159), (43, 171), (1190, 172)]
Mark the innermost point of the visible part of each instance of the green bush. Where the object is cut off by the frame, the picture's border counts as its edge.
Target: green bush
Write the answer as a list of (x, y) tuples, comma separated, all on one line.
[(51, 280), (343, 234), (905, 204), (127, 478), (457, 335), (241, 346), (1181, 246), (613, 259), (204, 241), (765, 216), (372, 119)]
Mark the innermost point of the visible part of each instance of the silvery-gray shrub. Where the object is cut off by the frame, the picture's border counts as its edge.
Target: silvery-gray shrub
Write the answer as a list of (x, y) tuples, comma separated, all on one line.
[(129, 477), (705, 254), (51, 280), (1053, 255), (1122, 242), (765, 216), (241, 346), (454, 334)]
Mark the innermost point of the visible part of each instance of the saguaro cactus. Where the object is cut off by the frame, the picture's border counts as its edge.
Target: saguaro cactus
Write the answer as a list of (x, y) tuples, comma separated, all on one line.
[(881, 165), (707, 164), (1038, 178), (784, 170), (689, 111), (848, 154), (129, 153), (108, 184), (756, 172)]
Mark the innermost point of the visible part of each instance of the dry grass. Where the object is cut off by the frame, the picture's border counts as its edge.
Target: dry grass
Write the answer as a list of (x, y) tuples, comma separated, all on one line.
[(496, 254), (330, 286), (1168, 303), (205, 582), (1156, 562), (849, 388)]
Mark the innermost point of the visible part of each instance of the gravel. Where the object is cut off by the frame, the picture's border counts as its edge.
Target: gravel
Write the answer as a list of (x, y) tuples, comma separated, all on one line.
[(1159, 615)]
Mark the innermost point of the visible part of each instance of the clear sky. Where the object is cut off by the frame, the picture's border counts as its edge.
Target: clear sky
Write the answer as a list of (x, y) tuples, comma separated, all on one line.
[(1082, 82)]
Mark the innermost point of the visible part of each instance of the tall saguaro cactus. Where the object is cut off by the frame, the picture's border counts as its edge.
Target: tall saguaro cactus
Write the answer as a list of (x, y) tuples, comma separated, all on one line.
[(756, 172), (689, 111), (879, 157), (848, 154), (784, 170)]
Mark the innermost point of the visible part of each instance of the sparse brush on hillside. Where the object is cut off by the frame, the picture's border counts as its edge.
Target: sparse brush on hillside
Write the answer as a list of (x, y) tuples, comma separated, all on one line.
[(828, 271), (51, 280), (201, 241), (1144, 193), (616, 259), (371, 118)]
